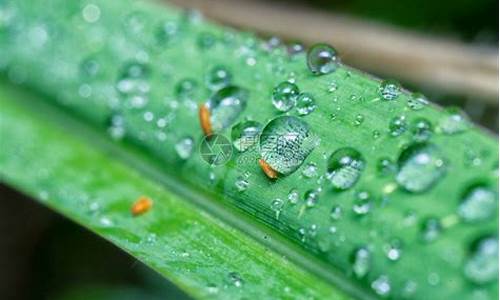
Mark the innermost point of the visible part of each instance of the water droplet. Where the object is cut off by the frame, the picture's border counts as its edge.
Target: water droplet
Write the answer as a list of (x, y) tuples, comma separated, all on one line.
[(226, 105), (361, 262), (420, 167), (421, 129), (305, 104), (91, 13), (478, 204), (431, 229), (245, 134), (393, 250), (133, 84), (218, 77), (362, 203), (277, 206), (385, 166), (336, 213), (453, 121), (345, 167), (397, 126), (293, 196), (295, 49), (322, 59), (186, 89), (184, 147), (205, 40), (242, 182), (389, 89), (417, 101), (165, 33), (375, 134), (235, 279), (332, 86), (358, 120), (285, 143), (481, 266), (382, 286), (116, 127), (285, 96), (311, 198), (310, 170)]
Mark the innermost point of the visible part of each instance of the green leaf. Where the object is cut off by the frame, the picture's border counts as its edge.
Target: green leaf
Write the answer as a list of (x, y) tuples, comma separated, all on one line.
[(139, 72)]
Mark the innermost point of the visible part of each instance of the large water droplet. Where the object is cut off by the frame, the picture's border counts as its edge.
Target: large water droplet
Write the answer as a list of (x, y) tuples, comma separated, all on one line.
[(285, 96), (305, 104), (481, 267), (285, 143), (420, 167), (454, 121), (478, 204), (322, 59), (245, 134), (389, 89), (218, 77), (361, 262), (345, 167), (226, 105)]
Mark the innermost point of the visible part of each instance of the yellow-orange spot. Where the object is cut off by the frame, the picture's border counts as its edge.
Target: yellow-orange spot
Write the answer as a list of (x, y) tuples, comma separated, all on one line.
[(142, 205), (270, 172), (204, 115)]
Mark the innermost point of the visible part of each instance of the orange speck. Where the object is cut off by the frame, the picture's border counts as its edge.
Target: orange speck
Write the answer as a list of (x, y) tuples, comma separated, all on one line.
[(204, 115), (270, 172), (142, 205)]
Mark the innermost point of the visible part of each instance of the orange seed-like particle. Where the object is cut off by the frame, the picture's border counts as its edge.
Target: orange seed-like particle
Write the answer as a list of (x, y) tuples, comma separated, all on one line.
[(142, 205), (270, 172), (204, 115)]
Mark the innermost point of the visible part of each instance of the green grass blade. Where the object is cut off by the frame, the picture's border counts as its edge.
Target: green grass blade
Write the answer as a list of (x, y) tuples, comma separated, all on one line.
[(81, 56)]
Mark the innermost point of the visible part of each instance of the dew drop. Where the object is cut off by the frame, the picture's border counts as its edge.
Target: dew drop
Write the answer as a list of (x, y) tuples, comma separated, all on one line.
[(293, 196), (133, 84), (385, 166), (382, 286), (322, 59), (285, 96), (186, 89), (184, 147), (245, 134), (397, 126), (393, 250), (478, 204), (310, 170), (344, 168), (336, 213), (285, 143), (226, 105), (481, 266), (362, 203), (305, 104), (389, 89), (431, 229), (311, 198), (417, 101), (453, 121), (277, 206), (116, 128), (242, 182), (358, 120), (420, 167), (218, 77), (421, 130), (235, 279), (205, 40), (361, 262)]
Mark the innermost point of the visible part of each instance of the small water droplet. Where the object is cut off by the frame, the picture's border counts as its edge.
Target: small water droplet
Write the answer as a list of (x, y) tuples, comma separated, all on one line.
[(205, 40), (184, 147), (226, 105), (332, 86), (362, 203), (453, 121), (382, 286), (345, 167), (420, 167), (305, 104), (235, 279), (311, 198), (397, 126), (421, 129), (293, 196), (481, 266), (431, 229), (479, 203), (242, 182), (285, 96), (361, 262), (322, 59), (336, 213), (375, 134), (91, 13), (389, 89), (116, 128), (133, 84), (277, 206), (186, 89), (385, 166), (245, 134), (285, 143), (393, 250), (218, 77), (310, 170), (417, 101), (358, 120), (295, 49)]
